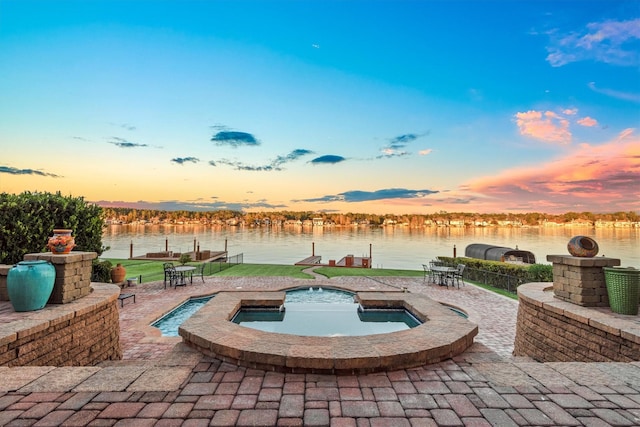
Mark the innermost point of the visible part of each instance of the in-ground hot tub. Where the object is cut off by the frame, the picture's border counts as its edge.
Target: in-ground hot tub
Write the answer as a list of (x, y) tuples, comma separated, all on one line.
[(442, 335)]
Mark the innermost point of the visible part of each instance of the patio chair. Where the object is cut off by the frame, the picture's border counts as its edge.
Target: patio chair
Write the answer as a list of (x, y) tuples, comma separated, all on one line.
[(458, 276), (434, 275), (199, 271), (170, 274)]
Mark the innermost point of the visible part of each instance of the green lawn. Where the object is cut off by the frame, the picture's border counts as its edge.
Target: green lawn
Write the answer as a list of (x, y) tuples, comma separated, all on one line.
[(371, 272), (151, 271), (253, 270), (494, 290)]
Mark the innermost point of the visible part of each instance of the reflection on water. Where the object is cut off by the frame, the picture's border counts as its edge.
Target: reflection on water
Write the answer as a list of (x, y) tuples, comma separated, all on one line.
[(391, 247)]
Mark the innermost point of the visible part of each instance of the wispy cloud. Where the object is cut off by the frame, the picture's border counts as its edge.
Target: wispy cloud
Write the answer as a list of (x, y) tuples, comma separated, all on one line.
[(456, 200), (625, 96), (125, 126), (425, 152), (611, 42), (274, 165), (588, 122), (196, 206), (327, 159), (592, 177), (367, 196), (397, 145), (14, 171), (183, 160), (234, 139), (545, 126), (123, 143), (292, 156)]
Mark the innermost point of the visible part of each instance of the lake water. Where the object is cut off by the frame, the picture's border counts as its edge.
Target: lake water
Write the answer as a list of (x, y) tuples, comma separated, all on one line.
[(390, 247)]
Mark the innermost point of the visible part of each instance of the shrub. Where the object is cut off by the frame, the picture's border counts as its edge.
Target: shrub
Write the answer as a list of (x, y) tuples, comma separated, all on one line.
[(184, 258), (540, 273), (499, 274), (101, 271), (27, 221)]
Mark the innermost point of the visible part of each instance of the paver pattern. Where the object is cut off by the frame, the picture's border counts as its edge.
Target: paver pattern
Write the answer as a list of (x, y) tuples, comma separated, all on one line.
[(161, 382)]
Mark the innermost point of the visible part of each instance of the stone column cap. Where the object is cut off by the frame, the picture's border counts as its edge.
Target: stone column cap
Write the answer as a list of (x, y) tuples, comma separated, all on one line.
[(73, 256), (583, 261)]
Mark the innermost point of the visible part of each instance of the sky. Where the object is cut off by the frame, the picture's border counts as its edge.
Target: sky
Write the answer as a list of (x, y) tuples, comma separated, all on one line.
[(386, 107)]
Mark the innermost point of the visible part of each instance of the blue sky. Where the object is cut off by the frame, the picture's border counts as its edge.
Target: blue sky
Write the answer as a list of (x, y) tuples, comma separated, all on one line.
[(336, 106)]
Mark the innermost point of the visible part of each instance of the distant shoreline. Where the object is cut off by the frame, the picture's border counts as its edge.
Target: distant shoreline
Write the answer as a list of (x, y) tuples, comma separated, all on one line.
[(596, 224)]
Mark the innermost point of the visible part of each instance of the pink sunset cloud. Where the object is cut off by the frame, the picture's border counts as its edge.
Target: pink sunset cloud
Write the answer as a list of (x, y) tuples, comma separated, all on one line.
[(597, 178), (588, 122), (545, 126)]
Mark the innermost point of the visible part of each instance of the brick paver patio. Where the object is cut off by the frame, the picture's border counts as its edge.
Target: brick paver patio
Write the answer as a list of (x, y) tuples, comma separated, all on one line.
[(161, 382)]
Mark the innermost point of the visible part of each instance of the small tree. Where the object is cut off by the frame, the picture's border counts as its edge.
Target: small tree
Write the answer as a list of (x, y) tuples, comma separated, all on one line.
[(184, 258)]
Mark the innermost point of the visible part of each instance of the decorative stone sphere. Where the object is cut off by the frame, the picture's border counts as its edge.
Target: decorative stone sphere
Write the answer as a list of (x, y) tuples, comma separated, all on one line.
[(582, 246)]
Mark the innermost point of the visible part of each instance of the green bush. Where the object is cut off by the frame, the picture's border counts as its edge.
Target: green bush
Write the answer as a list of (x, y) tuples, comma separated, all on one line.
[(27, 221), (540, 273), (499, 274), (101, 271), (184, 258)]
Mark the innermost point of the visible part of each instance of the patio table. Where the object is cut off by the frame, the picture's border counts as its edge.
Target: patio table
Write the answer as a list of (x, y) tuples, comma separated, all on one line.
[(441, 272), (184, 270)]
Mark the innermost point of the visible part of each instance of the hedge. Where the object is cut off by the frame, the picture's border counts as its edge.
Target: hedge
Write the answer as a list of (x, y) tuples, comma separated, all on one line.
[(27, 221), (499, 274)]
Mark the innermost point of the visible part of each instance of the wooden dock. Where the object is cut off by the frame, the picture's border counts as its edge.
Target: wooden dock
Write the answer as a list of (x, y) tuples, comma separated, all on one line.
[(312, 260), (354, 262), (347, 261)]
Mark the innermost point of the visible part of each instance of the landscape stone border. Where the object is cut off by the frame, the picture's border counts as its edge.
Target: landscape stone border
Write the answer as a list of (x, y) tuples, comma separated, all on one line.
[(551, 330)]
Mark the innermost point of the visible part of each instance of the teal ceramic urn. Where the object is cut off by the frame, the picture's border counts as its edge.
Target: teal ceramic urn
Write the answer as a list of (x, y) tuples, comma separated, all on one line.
[(29, 284)]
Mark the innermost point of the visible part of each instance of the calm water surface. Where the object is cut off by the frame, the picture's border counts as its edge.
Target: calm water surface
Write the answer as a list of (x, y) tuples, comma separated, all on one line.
[(390, 247)]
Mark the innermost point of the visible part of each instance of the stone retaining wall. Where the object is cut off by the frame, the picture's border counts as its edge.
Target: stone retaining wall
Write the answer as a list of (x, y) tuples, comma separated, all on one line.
[(549, 330), (81, 333)]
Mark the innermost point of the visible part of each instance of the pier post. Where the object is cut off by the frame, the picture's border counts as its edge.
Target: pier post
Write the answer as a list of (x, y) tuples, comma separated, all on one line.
[(166, 245), (313, 249), (131, 250), (454, 251)]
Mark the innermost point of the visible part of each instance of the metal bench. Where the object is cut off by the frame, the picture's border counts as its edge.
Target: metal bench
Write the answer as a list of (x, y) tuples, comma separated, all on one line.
[(123, 297)]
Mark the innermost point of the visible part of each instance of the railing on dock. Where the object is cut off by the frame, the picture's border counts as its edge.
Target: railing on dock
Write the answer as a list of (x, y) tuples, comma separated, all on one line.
[(219, 265)]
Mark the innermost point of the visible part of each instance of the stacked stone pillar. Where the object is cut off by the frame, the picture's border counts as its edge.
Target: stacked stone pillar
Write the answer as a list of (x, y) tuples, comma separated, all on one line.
[(581, 280), (73, 274)]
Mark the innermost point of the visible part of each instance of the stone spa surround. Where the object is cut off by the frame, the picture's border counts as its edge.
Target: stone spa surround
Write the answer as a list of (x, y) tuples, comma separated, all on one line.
[(442, 335)]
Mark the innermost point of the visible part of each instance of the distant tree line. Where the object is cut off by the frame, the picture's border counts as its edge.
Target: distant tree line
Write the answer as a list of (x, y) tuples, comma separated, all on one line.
[(129, 215)]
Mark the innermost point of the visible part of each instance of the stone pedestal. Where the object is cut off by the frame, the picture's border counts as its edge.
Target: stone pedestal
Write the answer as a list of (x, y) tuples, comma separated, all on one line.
[(4, 272), (581, 280), (73, 274)]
